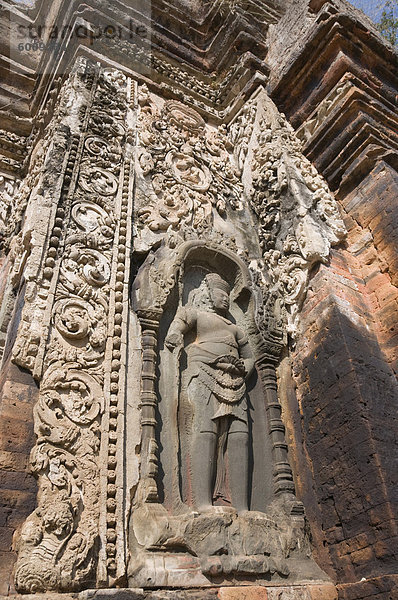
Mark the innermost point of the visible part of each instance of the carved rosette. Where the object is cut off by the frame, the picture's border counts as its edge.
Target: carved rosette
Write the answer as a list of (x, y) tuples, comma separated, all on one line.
[(77, 369)]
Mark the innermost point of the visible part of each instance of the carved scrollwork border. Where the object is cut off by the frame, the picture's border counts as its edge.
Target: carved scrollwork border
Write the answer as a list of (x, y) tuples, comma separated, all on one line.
[(77, 359)]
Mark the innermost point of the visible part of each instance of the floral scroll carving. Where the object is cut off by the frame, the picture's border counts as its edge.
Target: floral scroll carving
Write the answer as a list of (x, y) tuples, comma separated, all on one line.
[(298, 217), (67, 429), (186, 168), (58, 548)]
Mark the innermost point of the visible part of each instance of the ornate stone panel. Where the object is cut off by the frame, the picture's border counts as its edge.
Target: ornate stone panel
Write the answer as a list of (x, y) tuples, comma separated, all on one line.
[(70, 338), (186, 178), (208, 389), (198, 190), (298, 217), (150, 403)]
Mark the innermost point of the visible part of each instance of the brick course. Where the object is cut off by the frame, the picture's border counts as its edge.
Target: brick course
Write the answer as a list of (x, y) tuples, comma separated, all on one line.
[(18, 489)]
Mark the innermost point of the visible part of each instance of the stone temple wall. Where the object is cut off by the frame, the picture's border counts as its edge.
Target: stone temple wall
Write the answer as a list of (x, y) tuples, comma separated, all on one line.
[(344, 366), (190, 142)]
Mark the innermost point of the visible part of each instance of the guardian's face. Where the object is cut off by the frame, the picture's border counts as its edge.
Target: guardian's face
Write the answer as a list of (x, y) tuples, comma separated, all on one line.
[(220, 299)]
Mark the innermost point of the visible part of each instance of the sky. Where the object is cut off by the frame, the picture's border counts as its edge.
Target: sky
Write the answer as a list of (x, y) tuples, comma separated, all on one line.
[(29, 3), (373, 8)]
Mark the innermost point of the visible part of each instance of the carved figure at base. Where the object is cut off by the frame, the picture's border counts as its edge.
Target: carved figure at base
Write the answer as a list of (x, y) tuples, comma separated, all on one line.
[(219, 360)]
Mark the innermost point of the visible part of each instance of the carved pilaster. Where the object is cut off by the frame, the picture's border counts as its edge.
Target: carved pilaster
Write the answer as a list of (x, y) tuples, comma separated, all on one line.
[(269, 351), (112, 565), (76, 356), (149, 320), (283, 476)]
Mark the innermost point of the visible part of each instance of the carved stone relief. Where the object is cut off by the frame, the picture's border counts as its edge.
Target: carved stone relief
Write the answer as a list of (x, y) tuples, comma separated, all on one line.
[(218, 363), (204, 94), (186, 175), (16, 193), (214, 305), (8, 188), (298, 218), (59, 544), (215, 483), (212, 340), (324, 110)]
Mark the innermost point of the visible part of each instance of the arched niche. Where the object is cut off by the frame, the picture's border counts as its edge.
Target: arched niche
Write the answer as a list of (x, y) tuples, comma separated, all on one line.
[(168, 534)]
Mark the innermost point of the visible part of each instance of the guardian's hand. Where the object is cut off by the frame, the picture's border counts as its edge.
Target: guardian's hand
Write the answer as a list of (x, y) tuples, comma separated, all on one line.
[(233, 365), (174, 340)]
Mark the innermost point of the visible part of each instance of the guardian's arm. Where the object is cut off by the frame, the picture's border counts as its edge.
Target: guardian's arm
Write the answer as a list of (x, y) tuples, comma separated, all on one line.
[(184, 320), (245, 353)]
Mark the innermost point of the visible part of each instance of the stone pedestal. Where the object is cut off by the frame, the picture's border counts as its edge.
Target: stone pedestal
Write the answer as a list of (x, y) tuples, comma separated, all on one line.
[(305, 591)]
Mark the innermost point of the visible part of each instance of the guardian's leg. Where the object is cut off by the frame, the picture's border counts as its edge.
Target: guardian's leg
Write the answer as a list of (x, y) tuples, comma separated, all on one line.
[(238, 464), (203, 447), (203, 458)]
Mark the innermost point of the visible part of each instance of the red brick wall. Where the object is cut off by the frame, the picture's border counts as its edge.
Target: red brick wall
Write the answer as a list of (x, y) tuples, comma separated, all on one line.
[(345, 410), (372, 220), (18, 489)]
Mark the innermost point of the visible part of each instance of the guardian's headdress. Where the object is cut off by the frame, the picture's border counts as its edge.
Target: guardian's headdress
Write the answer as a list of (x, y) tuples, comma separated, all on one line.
[(213, 280)]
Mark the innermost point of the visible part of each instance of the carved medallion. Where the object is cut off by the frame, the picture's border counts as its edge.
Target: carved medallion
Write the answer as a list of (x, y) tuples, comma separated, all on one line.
[(97, 180), (88, 215), (182, 116)]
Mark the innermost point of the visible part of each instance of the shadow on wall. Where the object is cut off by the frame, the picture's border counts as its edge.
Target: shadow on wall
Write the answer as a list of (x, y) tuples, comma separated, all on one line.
[(349, 422)]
